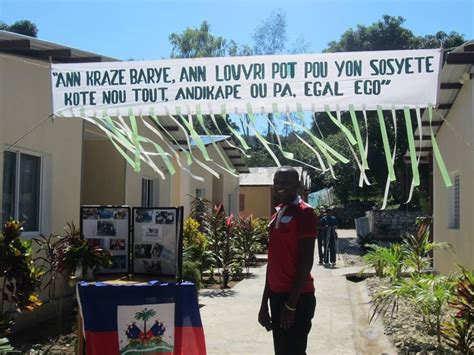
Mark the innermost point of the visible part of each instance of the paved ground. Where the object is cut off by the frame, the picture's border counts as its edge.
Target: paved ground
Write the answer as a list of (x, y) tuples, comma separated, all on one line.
[(231, 327)]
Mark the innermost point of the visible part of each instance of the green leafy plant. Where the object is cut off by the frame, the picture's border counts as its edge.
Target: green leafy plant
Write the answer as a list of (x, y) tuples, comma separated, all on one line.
[(219, 231), (458, 332), (76, 254), (366, 240), (21, 278), (386, 261), (192, 273), (196, 245), (419, 246), (247, 240), (262, 230), (428, 293)]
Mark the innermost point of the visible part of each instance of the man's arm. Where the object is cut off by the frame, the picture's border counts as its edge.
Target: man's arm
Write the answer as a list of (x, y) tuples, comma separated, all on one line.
[(263, 315)]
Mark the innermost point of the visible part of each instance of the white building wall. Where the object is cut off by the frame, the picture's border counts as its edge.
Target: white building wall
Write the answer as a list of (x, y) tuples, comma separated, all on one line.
[(26, 103), (456, 142)]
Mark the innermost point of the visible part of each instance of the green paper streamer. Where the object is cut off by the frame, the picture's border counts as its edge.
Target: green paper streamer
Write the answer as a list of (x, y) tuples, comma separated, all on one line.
[(411, 146), (189, 159), (360, 144), (257, 134), (437, 153), (133, 123), (386, 145), (196, 138), (229, 169), (343, 128)]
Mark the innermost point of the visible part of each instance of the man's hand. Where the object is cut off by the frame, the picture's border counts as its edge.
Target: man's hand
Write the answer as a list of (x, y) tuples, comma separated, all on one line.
[(287, 318), (264, 318)]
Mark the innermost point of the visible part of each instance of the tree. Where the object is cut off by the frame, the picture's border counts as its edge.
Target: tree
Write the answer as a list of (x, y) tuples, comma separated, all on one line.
[(270, 36), (385, 34), (24, 27), (199, 43), (145, 315)]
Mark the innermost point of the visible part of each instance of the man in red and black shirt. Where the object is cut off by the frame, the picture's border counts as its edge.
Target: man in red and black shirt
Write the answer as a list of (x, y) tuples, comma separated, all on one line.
[(289, 285)]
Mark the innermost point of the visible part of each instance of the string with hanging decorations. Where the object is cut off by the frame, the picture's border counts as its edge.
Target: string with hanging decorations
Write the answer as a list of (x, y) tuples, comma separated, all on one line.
[(134, 104)]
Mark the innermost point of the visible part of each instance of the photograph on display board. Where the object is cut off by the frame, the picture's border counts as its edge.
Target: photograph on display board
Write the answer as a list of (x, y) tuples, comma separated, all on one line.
[(119, 262), (96, 242), (117, 244), (108, 228), (155, 239), (106, 213)]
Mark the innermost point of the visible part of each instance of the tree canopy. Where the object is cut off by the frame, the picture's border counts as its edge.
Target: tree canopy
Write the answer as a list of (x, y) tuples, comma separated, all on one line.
[(24, 27), (270, 37)]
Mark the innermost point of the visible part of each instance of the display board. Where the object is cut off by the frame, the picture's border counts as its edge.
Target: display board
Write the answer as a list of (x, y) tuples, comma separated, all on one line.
[(157, 240), (109, 228)]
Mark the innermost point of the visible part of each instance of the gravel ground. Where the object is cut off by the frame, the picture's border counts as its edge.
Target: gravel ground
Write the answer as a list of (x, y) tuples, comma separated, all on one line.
[(406, 328)]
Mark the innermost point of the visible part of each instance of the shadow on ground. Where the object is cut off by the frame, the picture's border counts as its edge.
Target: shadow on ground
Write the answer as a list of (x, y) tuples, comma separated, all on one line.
[(217, 293)]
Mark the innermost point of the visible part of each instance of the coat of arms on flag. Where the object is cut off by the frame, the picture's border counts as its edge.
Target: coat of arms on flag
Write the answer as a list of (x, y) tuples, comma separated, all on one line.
[(146, 329)]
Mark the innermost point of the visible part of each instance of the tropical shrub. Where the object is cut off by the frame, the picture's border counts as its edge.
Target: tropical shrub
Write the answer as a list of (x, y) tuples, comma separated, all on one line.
[(247, 240), (419, 246), (219, 231), (192, 273), (428, 293), (365, 241), (196, 245), (262, 229), (387, 261), (458, 332), (21, 278)]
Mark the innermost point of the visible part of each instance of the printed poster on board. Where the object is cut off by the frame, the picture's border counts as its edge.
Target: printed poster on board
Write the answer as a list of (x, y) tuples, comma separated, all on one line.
[(108, 227), (156, 240)]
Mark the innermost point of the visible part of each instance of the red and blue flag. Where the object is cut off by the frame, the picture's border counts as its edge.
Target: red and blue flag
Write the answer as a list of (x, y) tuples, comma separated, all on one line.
[(146, 318)]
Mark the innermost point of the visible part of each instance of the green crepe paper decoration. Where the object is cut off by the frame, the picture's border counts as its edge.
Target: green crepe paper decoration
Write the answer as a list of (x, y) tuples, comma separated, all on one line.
[(214, 121), (437, 153), (235, 133), (229, 169), (394, 151), (196, 138), (198, 162), (411, 146), (363, 177), (111, 137), (189, 158), (344, 129), (323, 147), (258, 135), (287, 155), (125, 131), (386, 145), (365, 165), (133, 123), (170, 147)]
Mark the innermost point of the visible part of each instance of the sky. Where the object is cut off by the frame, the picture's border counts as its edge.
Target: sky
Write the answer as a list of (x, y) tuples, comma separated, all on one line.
[(139, 29)]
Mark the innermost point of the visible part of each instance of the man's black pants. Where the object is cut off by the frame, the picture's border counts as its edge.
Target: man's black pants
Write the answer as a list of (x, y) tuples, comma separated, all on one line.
[(292, 341)]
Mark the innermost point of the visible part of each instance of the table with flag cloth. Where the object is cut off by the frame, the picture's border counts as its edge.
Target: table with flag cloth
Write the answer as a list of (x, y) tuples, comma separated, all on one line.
[(140, 318)]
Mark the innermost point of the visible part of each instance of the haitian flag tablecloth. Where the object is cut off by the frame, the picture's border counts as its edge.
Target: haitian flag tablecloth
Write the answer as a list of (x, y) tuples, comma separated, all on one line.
[(144, 318)]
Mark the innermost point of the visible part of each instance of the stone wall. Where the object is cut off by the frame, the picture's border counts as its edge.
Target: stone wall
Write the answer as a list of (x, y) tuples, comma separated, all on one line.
[(390, 224), (346, 215)]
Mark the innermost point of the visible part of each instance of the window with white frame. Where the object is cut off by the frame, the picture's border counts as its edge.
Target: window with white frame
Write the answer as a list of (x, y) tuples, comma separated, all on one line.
[(454, 205), (21, 193), (147, 192)]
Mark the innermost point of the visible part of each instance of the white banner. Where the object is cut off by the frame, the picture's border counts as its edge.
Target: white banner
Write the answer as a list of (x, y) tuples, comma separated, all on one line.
[(390, 79)]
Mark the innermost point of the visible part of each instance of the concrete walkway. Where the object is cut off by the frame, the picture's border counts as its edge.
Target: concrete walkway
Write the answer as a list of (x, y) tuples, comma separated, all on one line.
[(230, 317)]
